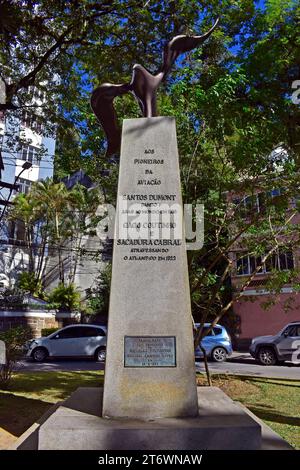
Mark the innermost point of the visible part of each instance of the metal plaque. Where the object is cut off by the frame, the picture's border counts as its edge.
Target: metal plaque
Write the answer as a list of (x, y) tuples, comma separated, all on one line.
[(149, 351)]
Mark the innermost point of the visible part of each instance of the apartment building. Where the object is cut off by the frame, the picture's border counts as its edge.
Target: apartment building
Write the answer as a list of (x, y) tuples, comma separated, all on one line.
[(26, 156), (262, 309)]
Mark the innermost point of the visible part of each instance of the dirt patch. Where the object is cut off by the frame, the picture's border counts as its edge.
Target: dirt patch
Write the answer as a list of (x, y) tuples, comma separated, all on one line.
[(236, 388)]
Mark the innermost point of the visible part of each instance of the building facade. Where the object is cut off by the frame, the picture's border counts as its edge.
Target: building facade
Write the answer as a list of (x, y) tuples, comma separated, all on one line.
[(22, 139), (262, 308)]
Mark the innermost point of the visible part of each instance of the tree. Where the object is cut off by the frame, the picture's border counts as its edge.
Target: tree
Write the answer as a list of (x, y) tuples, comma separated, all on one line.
[(237, 133), (53, 50), (56, 222), (98, 296), (231, 99), (14, 340), (236, 140), (54, 199)]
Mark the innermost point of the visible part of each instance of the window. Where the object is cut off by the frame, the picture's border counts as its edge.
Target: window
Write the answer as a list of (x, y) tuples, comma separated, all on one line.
[(205, 330), (247, 206), (29, 153), (251, 204), (280, 261), (24, 185), (247, 264), (242, 265), (91, 331), (286, 260), (271, 263), (217, 331), (214, 332), (257, 203), (74, 332), (32, 121), (292, 330)]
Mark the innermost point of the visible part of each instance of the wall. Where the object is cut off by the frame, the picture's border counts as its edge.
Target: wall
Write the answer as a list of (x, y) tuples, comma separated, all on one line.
[(36, 320), (257, 321)]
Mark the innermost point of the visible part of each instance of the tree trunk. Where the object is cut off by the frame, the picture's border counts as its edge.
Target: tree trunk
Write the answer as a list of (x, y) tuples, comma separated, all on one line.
[(206, 365)]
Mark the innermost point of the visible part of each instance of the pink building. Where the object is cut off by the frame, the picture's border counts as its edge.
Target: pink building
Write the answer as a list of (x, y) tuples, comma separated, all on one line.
[(259, 310), (255, 320)]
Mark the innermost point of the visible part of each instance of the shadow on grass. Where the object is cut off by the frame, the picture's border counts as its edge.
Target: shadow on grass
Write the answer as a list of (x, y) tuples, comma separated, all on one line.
[(279, 382), (261, 380), (30, 395), (272, 416), (54, 386), (18, 413)]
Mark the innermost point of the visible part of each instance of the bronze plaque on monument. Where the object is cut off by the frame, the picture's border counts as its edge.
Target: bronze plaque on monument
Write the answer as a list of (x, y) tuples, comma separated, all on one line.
[(149, 351)]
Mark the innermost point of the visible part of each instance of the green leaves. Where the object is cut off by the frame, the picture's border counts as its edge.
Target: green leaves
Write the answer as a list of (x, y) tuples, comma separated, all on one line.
[(65, 298)]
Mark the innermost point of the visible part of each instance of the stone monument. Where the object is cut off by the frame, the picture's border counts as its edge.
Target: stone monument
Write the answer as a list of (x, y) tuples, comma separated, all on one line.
[(150, 399), (150, 366)]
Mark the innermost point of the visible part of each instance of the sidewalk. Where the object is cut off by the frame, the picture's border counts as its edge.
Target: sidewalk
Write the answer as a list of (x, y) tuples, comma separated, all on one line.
[(6, 439)]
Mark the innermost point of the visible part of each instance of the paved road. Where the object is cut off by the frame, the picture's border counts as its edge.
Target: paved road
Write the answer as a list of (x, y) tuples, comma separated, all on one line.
[(238, 364), (244, 364)]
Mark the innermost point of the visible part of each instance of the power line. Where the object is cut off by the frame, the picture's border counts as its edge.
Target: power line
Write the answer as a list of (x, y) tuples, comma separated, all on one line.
[(12, 158), (52, 155), (38, 166), (21, 244)]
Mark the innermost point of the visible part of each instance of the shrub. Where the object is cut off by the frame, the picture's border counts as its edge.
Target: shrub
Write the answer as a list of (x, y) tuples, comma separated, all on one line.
[(28, 283), (9, 298), (48, 331), (14, 340), (65, 298), (98, 296)]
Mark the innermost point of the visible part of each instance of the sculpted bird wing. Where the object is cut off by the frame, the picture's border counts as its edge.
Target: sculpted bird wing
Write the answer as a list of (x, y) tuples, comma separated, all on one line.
[(103, 107), (180, 44)]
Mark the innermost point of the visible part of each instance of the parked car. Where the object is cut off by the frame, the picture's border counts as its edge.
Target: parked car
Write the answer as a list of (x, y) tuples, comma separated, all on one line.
[(217, 343), (283, 346), (70, 341)]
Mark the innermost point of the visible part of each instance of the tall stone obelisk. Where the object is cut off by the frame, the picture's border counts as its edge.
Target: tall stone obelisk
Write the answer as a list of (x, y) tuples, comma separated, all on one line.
[(150, 367)]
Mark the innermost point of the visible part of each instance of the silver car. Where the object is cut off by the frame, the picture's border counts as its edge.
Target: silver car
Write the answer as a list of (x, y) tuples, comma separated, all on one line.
[(72, 341), (284, 346)]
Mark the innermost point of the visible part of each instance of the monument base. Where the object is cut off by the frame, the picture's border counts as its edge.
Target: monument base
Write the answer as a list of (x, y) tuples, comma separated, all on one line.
[(221, 424)]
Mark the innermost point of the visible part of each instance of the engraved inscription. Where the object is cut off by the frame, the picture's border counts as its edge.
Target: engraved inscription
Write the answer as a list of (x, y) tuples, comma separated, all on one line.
[(149, 351)]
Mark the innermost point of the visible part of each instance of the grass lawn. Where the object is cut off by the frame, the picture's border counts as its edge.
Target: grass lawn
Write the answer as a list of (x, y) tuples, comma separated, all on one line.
[(31, 394), (277, 402), (274, 401)]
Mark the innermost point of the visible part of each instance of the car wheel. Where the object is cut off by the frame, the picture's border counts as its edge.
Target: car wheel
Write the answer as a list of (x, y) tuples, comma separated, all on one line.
[(219, 354), (39, 354), (267, 357), (100, 355)]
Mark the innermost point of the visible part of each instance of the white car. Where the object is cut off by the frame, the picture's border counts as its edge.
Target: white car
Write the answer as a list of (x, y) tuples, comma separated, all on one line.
[(71, 341)]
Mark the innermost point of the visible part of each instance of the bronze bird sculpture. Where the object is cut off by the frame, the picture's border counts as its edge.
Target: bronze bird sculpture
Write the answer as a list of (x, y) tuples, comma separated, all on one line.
[(143, 86)]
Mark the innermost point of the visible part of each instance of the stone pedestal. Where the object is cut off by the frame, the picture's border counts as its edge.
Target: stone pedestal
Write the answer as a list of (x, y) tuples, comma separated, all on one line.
[(220, 424), (150, 370), (75, 424)]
